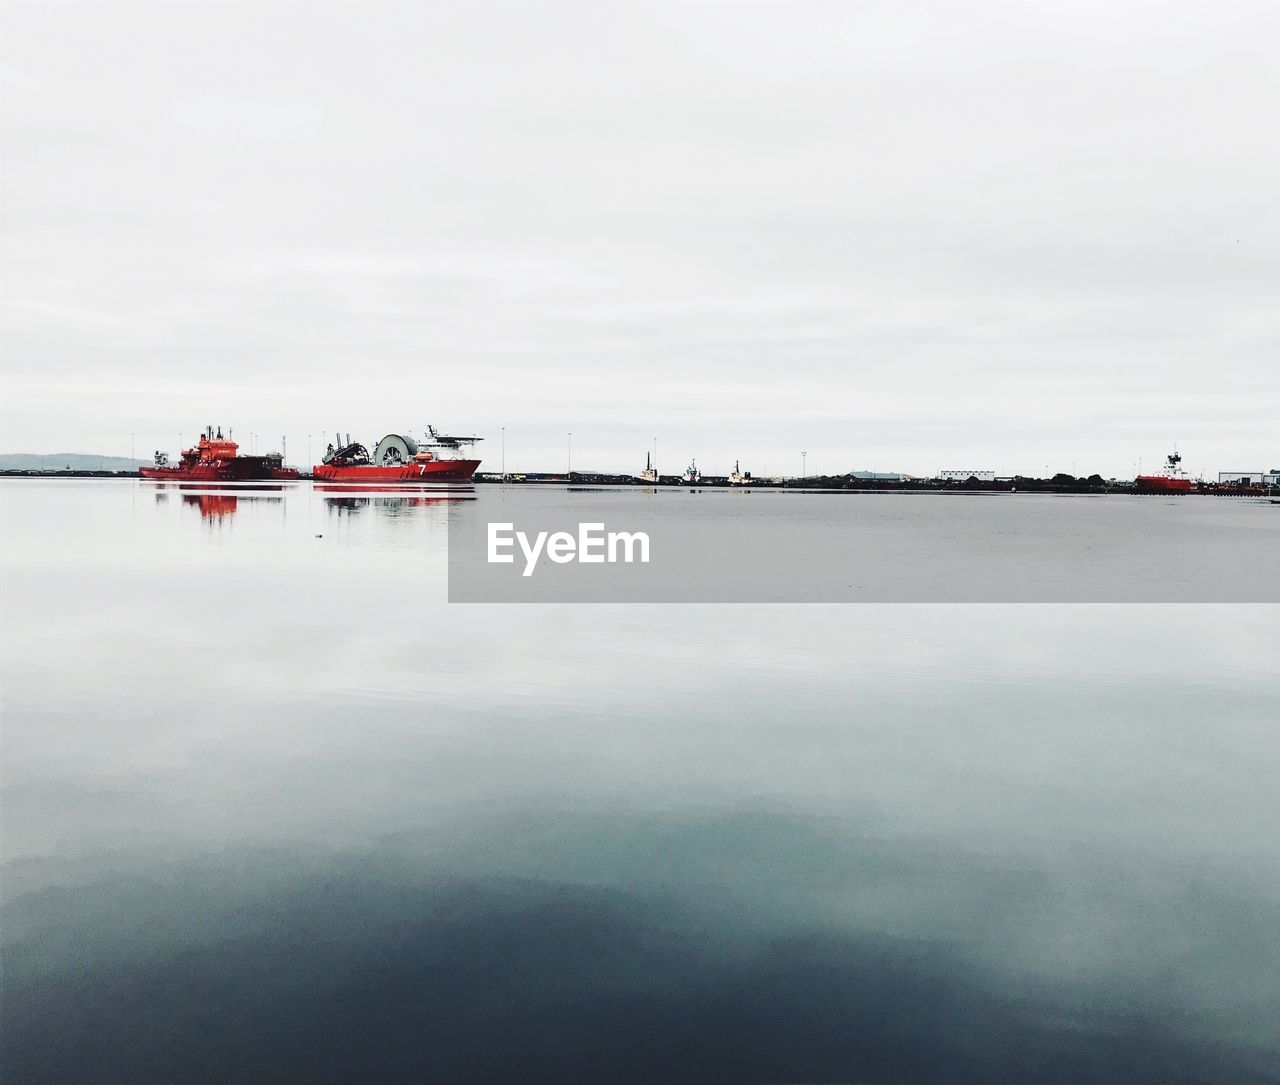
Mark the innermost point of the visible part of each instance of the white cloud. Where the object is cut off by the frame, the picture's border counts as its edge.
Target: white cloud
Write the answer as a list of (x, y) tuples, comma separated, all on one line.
[(748, 228)]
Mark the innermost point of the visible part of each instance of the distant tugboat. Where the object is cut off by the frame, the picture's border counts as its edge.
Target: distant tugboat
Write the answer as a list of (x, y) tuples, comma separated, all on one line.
[(740, 477), (691, 473), (217, 459), (650, 472), (1169, 479), (436, 458)]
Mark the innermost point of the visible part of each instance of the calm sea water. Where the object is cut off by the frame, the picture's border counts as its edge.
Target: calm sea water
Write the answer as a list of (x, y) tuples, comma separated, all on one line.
[(273, 810)]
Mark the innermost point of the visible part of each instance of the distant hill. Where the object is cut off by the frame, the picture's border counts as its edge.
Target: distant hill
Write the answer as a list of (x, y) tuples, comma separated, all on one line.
[(62, 461)]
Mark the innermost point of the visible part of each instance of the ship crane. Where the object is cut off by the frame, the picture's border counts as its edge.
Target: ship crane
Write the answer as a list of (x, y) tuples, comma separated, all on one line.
[(353, 452)]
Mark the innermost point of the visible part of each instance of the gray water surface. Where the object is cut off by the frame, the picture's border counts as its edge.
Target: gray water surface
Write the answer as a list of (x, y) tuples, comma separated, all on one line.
[(273, 810)]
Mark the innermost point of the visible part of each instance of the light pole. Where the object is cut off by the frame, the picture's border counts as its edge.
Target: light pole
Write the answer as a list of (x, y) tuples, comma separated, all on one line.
[(504, 453), (131, 455), (571, 453), (308, 452), (804, 471), (655, 457)]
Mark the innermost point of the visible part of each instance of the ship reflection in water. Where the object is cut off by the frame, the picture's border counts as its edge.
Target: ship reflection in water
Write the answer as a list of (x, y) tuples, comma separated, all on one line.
[(213, 506), (219, 506), (351, 500)]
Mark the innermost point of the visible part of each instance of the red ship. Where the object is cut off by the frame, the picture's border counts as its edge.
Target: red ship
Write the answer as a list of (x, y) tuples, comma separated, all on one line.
[(1169, 479), (217, 459), (396, 458)]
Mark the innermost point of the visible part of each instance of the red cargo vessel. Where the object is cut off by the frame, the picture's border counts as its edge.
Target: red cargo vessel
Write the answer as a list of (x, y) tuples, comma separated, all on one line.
[(217, 459), (396, 458), (1169, 479)]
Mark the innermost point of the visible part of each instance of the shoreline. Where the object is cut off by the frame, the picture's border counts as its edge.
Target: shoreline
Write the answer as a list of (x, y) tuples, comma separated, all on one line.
[(830, 484)]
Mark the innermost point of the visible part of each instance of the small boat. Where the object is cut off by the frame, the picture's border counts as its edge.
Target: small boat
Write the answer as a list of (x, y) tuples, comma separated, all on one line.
[(650, 472), (397, 458), (217, 459), (691, 475), (738, 477)]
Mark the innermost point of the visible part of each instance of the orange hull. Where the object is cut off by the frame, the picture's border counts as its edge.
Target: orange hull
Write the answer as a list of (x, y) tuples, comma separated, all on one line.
[(238, 469), (431, 471), (1164, 484)]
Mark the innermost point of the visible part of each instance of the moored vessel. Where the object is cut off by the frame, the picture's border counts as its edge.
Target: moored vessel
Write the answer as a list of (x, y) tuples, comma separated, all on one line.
[(397, 458), (650, 472), (217, 459), (1171, 478)]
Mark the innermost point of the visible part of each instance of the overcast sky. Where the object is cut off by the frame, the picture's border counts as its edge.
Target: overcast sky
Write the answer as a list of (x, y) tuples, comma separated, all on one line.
[(898, 235)]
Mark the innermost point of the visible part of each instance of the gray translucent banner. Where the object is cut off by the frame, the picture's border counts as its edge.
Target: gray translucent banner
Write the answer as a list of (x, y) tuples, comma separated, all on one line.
[(744, 546)]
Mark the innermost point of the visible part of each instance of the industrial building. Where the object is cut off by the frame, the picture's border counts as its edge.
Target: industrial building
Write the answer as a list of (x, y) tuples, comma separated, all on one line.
[(962, 476), (1244, 478)]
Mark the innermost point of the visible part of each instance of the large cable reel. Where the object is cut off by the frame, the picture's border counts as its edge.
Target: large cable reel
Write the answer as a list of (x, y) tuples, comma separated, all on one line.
[(395, 448)]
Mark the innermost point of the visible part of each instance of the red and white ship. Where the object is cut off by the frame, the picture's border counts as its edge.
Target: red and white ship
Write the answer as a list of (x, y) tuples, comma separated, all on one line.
[(217, 459), (1171, 478), (396, 458)]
